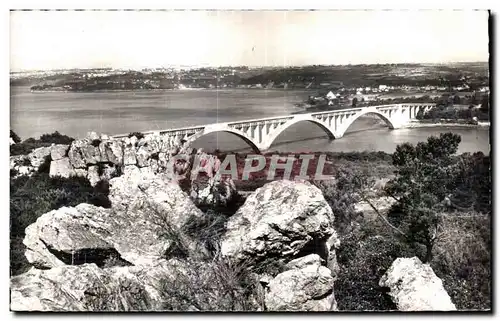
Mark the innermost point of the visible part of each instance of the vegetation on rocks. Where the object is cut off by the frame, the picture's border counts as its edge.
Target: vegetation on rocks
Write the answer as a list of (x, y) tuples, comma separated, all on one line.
[(436, 206), (28, 145)]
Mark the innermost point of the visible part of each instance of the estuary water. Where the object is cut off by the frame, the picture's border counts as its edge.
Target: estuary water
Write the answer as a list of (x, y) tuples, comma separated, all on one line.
[(75, 114)]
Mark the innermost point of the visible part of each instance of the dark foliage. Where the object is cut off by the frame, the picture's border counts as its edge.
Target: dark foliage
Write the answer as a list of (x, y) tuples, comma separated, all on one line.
[(14, 137), (136, 134), (56, 138), (26, 162), (462, 260), (28, 145), (95, 142), (363, 259), (100, 168), (45, 166), (219, 285), (30, 197), (207, 230), (341, 194), (423, 175)]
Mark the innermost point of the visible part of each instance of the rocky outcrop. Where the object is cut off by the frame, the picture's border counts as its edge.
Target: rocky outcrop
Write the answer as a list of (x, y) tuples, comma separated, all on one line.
[(90, 288), (213, 191), (414, 286), (58, 152), (30, 163), (61, 167), (145, 209), (281, 220), (305, 285), (37, 157)]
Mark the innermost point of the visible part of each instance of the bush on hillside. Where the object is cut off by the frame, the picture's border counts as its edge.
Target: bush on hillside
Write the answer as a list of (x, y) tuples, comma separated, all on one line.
[(462, 259), (136, 134), (363, 260), (30, 144), (14, 137)]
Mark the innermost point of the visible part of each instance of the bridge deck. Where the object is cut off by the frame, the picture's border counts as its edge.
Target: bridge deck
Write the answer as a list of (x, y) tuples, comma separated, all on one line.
[(193, 129)]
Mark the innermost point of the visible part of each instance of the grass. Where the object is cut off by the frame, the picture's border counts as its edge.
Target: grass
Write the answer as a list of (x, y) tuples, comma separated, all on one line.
[(219, 285), (30, 197)]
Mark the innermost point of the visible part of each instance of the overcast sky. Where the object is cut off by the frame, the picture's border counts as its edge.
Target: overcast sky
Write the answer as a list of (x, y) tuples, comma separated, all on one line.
[(119, 39)]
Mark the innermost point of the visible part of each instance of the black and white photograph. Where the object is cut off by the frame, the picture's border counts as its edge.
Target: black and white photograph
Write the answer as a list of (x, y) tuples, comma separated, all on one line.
[(250, 160)]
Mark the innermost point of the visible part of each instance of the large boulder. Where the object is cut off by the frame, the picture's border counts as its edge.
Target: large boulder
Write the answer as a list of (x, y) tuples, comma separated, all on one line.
[(61, 167), (141, 226), (414, 286), (90, 288), (112, 151), (305, 285), (37, 157), (91, 154), (281, 220), (75, 155), (58, 151), (139, 189)]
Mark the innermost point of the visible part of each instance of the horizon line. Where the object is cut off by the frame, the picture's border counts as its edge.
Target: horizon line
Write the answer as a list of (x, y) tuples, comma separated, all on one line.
[(251, 66)]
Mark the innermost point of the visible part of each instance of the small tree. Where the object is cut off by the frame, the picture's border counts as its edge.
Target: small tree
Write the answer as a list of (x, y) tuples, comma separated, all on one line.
[(424, 174), (485, 104), (14, 137), (354, 102)]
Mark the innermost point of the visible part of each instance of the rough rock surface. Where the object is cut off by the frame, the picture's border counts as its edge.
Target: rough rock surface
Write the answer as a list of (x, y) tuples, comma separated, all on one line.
[(213, 191), (306, 285), (93, 174), (415, 287), (61, 167), (90, 288), (142, 206), (281, 219), (37, 156)]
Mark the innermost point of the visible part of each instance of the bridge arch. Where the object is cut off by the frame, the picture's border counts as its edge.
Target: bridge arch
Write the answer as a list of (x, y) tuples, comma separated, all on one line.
[(345, 126), (226, 129), (266, 144)]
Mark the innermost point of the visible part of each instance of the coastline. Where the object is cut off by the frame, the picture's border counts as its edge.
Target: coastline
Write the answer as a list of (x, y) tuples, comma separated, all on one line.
[(418, 124), (164, 89)]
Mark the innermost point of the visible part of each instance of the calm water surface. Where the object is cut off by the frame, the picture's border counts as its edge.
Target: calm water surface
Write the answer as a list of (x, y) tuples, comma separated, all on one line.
[(75, 114)]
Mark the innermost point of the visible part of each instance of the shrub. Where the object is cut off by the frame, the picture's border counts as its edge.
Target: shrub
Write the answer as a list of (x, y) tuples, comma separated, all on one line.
[(30, 197), (363, 259), (14, 137), (45, 166), (207, 230), (56, 138), (219, 285), (462, 259), (136, 134), (128, 295), (95, 142), (26, 162), (28, 145)]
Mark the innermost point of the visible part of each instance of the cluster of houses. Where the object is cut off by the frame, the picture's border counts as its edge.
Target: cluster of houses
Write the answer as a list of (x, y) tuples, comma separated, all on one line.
[(351, 97)]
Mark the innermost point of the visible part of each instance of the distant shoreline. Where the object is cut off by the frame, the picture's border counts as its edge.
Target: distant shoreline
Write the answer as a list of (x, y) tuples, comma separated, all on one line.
[(419, 124), (165, 89)]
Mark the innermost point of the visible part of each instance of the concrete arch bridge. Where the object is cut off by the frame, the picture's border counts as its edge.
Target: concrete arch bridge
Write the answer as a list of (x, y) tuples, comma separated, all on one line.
[(261, 133)]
